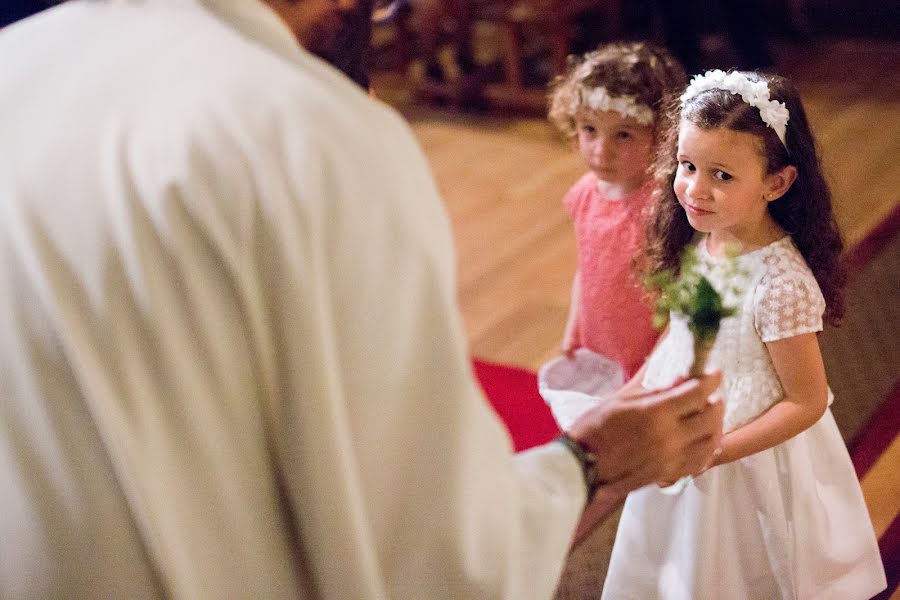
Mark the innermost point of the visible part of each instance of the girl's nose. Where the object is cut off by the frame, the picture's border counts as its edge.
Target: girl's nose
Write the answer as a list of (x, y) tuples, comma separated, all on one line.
[(601, 148), (697, 188)]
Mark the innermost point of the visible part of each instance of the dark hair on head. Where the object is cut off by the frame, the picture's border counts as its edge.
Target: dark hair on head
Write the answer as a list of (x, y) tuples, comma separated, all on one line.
[(647, 72), (804, 211)]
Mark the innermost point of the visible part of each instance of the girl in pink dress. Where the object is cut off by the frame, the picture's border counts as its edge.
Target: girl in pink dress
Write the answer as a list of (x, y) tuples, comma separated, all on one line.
[(611, 103)]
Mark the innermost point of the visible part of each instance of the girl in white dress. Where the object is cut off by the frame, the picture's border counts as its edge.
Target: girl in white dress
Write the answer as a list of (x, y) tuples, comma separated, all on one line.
[(780, 513)]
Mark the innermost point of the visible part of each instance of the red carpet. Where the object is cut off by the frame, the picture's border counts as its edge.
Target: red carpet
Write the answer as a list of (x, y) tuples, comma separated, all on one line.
[(890, 554), (874, 242), (878, 434), (874, 439), (513, 394)]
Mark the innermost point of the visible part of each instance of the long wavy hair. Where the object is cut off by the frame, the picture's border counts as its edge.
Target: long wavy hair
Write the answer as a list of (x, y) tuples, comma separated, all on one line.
[(644, 71), (804, 212)]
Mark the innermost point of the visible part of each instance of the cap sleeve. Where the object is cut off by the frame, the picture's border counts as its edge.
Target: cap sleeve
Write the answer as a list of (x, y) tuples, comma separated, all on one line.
[(789, 301), (575, 198)]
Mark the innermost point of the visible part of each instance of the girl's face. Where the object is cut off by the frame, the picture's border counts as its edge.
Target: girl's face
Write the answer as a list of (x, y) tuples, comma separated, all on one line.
[(616, 148), (722, 185)]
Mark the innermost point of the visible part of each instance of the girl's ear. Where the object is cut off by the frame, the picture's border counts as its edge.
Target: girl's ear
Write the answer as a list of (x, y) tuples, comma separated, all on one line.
[(780, 182)]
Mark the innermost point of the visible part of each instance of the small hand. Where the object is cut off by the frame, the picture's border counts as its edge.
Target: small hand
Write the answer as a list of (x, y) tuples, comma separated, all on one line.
[(713, 462), (569, 350), (569, 343)]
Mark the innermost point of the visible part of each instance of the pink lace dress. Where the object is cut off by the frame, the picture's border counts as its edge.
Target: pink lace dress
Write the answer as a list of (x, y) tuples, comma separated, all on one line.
[(615, 316)]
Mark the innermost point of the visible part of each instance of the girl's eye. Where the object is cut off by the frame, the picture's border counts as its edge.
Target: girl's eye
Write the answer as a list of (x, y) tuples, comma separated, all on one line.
[(623, 135), (687, 166), (588, 129), (723, 176)]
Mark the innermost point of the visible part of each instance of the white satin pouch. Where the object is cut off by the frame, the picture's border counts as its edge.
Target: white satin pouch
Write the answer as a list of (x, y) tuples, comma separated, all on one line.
[(571, 386)]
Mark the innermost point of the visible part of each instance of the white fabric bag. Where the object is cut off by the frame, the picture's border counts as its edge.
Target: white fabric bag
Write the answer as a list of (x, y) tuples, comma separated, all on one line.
[(570, 386)]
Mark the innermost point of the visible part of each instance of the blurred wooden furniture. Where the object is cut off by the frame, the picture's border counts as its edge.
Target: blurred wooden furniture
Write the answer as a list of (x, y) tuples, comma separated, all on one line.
[(533, 40), (548, 24), (392, 38)]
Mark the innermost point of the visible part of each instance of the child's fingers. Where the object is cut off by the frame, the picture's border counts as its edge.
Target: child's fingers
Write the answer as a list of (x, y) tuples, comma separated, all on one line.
[(568, 346), (712, 461)]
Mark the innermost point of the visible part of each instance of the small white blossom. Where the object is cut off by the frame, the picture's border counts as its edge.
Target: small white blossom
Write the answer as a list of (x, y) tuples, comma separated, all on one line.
[(627, 106), (755, 93)]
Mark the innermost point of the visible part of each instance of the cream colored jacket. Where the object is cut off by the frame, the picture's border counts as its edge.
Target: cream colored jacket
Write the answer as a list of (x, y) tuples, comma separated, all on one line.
[(231, 359)]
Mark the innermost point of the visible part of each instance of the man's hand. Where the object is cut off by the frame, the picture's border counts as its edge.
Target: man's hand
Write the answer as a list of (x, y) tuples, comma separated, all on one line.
[(640, 438)]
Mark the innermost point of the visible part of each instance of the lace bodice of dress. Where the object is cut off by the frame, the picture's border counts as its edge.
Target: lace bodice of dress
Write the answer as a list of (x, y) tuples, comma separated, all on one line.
[(777, 297)]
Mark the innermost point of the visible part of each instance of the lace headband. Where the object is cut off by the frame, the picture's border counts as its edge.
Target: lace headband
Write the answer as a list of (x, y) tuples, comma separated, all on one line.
[(627, 106), (755, 93)]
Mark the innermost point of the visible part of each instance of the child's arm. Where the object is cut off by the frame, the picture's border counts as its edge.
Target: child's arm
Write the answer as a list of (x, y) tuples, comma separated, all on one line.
[(571, 333), (798, 363)]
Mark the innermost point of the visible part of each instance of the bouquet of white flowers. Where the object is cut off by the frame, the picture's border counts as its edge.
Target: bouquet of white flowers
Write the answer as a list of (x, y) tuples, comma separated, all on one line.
[(693, 296)]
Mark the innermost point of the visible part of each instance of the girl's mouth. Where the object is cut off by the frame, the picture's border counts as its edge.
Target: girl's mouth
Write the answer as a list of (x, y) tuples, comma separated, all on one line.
[(699, 212)]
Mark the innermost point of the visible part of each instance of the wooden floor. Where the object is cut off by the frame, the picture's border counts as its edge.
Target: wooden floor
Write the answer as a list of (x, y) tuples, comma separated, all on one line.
[(502, 178)]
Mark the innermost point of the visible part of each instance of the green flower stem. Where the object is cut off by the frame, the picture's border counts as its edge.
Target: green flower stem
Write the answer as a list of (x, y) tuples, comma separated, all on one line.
[(702, 348)]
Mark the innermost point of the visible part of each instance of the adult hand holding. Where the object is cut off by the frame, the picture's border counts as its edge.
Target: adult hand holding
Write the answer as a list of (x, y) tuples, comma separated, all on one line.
[(642, 437)]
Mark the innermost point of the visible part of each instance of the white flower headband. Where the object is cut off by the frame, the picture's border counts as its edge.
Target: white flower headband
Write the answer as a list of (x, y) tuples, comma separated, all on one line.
[(627, 106), (755, 93)]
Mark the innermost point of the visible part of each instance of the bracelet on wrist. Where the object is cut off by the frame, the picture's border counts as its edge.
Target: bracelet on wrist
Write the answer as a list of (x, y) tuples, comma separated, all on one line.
[(586, 459)]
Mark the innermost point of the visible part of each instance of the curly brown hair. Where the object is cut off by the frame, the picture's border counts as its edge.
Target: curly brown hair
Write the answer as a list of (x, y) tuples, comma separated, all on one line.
[(646, 72), (804, 211)]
